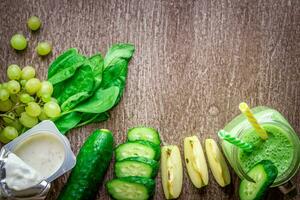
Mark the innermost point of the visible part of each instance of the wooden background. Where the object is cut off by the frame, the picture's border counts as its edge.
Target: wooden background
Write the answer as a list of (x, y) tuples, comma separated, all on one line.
[(195, 61)]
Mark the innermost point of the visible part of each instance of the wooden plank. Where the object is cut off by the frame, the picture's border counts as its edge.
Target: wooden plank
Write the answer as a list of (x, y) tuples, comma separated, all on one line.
[(194, 62)]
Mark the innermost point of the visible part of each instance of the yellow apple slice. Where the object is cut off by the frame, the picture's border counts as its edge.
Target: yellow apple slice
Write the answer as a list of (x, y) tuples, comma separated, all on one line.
[(195, 161), (171, 171), (217, 163)]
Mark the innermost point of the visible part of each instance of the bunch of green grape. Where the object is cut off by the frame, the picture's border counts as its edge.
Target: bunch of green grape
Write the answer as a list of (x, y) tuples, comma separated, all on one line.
[(24, 101)]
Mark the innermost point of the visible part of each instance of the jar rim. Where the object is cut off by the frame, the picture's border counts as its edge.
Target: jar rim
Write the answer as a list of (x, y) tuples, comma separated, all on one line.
[(295, 164)]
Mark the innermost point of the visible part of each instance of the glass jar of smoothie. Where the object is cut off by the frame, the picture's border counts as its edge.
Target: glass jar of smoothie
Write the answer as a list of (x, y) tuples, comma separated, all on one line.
[(282, 146)]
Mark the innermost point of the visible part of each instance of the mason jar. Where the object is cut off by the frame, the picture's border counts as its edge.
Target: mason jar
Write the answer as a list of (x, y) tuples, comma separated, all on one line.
[(266, 117)]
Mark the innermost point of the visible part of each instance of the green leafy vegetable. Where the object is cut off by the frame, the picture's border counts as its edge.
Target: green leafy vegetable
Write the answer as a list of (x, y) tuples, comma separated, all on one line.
[(73, 100), (102, 101), (58, 88), (88, 118), (90, 87), (77, 89), (68, 71), (116, 76), (68, 121), (118, 52), (97, 64), (55, 66)]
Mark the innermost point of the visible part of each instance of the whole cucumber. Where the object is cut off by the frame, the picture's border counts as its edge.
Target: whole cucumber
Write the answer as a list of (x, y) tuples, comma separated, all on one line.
[(92, 162)]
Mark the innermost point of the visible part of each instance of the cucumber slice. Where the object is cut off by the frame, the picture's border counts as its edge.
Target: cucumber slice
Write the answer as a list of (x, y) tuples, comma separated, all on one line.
[(138, 148), (264, 173), (131, 188), (144, 133), (136, 166)]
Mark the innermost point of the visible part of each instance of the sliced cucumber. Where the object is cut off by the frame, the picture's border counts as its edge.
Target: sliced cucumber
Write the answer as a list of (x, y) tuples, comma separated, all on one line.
[(136, 166), (143, 133), (264, 173), (131, 188), (138, 148)]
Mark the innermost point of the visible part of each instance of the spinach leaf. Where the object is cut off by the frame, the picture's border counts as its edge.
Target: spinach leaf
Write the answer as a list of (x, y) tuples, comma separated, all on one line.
[(116, 63), (55, 65), (101, 101), (77, 88), (68, 121), (67, 69), (87, 88), (97, 64), (117, 52), (116, 76), (73, 100), (58, 88), (88, 118)]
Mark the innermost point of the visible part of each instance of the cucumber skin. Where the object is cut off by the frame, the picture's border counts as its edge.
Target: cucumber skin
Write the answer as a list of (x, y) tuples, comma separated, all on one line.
[(92, 162), (143, 127), (271, 172), (147, 182), (155, 147), (153, 164)]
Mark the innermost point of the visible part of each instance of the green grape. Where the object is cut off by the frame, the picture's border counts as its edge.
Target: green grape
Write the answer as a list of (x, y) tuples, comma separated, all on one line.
[(23, 83), (26, 98), (43, 48), (13, 72), (46, 89), (3, 139), (28, 72), (43, 116), (54, 100), (5, 105), (10, 118), (10, 132), (4, 85), (13, 87), (4, 94), (18, 42), (32, 86), (17, 125), (33, 109), (27, 120), (52, 109), (46, 98), (19, 110), (34, 23)]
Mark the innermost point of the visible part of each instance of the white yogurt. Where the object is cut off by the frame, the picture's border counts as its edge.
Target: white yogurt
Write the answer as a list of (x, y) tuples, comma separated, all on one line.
[(19, 175), (43, 151)]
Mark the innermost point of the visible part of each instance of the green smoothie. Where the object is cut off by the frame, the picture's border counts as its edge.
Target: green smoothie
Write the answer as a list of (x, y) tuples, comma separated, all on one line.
[(278, 148), (282, 146)]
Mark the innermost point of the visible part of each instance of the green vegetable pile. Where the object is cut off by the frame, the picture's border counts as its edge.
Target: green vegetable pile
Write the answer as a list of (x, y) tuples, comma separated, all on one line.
[(87, 88)]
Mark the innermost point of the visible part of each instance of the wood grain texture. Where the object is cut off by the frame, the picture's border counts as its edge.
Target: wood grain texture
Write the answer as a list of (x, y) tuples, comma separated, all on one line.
[(194, 62)]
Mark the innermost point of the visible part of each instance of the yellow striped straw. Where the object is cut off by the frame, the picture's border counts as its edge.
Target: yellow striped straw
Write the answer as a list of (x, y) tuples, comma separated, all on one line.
[(244, 108)]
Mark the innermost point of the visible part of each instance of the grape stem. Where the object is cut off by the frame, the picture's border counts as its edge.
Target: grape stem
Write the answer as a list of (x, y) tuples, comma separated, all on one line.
[(4, 115), (1, 125), (17, 106)]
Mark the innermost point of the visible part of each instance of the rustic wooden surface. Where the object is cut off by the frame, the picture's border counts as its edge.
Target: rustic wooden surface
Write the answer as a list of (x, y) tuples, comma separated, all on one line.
[(194, 62)]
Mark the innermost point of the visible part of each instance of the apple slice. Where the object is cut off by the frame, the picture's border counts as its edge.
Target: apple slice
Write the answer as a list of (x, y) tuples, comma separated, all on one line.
[(217, 163), (195, 161), (171, 171)]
